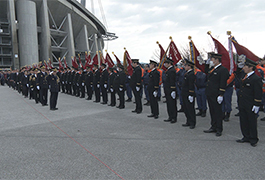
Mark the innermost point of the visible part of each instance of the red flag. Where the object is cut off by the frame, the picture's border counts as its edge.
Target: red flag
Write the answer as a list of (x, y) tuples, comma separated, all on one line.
[(74, 63), (173, 52), (109, 61), (95, 59), (225, 56), (80, 63), (196, 57), (60, 64), (163, 57), (117, 59), (88, 61), (127, 63), (65, 64), (46, 66), (243, 50), (50, 64)]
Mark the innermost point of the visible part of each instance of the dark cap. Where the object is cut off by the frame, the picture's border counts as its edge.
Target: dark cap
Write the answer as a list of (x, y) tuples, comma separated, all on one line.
[(169, 60), (153, 62), (187, 62), (135, 60), (249, 62), (216, 56), (120, 66), (103, 64), (42, 67)]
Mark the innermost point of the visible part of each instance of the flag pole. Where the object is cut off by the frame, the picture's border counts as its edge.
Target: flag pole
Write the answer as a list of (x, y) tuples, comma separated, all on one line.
[(161, 63)]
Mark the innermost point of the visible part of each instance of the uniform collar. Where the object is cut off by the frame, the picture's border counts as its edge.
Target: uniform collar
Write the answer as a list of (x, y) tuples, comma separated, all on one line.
[(250, 73)]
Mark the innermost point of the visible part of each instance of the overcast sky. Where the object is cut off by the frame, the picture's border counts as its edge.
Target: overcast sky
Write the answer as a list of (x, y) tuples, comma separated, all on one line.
[(140, 23)]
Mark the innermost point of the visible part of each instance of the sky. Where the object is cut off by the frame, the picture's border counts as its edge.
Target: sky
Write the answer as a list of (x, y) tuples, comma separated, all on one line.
[(139, 24)]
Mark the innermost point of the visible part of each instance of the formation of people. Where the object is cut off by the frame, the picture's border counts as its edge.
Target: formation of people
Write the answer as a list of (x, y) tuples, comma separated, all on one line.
[(181, 81)]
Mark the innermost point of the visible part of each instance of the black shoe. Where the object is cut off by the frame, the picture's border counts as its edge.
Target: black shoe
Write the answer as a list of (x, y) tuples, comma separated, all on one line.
[(242, 140), (53, 109), (147, 103), (139, 112), (156, 116), (253, 144), (134, 111), (118, 106), (129, 100), (121, 107), (203, 113), (167, 120), (185, 125), (164, 101), (237, 114), (173, 121), (218, 134), (262, 119), (209, 131), (199, 113), (96, 101), (88, 98), (152, 115), (103, 103), (181, 110), (192, 127)]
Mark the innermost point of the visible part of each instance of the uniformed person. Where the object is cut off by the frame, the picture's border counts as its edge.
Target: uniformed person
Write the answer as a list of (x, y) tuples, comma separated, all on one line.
[(170, 91), (82, 82), (152, 88), (42, 86), (25, 84), (53, 81), (96, 83), (136, 85), (30, 78), (188, 94), (104, 83), (120, 85), (33, 86), (89, 82), (215, 89), (250, 95), (112, 90)]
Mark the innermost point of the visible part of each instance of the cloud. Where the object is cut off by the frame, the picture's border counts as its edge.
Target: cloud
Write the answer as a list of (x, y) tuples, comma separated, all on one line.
[(139, 24)]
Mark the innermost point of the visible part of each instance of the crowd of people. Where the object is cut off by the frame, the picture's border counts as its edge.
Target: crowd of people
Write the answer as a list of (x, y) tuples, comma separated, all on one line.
[(181, 81)]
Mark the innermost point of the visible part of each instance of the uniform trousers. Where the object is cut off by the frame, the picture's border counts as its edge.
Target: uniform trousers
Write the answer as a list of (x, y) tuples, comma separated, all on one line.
[(216, 113)]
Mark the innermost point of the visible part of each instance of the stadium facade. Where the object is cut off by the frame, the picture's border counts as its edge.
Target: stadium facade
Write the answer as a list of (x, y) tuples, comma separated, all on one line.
[(36, 30)]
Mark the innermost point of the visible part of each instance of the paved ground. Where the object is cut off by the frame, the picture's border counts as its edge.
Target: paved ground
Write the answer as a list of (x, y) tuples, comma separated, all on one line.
[(84, 140)]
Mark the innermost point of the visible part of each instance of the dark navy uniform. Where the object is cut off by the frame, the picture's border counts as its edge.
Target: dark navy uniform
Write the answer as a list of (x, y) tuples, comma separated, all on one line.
[(96, 83), (89, 84), (53, 81), (104, 85), (136, 83), (170, 86), (216, 84), (187, 90), (43, 85), (119, 85), (25, 85), (82, 84), (153, 86), (111, 89)]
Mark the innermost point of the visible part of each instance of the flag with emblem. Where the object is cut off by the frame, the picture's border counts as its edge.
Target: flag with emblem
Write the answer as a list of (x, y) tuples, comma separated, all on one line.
[(163, 57), (117, 59), (174, 52), (195, 56), (109, 61), (65, 64), (88, 61), (127, 63)]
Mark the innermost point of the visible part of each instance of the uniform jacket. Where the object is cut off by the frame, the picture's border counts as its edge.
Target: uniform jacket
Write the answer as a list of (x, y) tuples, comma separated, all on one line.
[(188, 88), (41, 80), (119, 81), (136, 79), (104, 77), (153, 83), (170, 80), (53, 81)]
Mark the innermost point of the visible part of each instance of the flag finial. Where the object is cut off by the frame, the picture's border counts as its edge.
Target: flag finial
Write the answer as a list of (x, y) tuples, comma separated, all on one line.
[(106, 50), (170, 37), (125, 48), (59, 58), (157, 42), (112, 52), (72, 57), (228, 33), (209, 32), (189, 37), (99, 51)]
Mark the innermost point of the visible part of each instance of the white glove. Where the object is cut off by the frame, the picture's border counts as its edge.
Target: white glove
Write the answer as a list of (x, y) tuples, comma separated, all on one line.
[(65, 82), (190, 99), (173, 94), (137, 88), (77, 84), (155, 93), (98, 85), (49, 86), (120, 89), (220, 99), (62, 82), (38, 87), (111, 90), (69, 82), (83, 84), (91, 85), (51, 73), (105, 85), (31, 89), (27, 85), (255, 109), (129, 77)]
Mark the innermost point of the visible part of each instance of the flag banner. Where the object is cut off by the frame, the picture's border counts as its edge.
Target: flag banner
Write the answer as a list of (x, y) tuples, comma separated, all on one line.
[(60, 64), (50, 64), (80, 62), (117, 59), (65, 64), (225, 55), (88, 61), (46, 66), (163, 57), (243, 50), (74, 63), (95, 59), (230, 51), (109, 61), (196, 57), (173, 52), (127, 63), (102, 60)]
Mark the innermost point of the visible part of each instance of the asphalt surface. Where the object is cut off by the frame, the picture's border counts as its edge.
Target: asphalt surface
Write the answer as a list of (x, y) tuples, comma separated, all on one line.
[(86, 140)]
